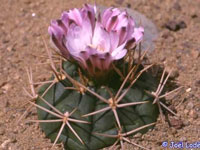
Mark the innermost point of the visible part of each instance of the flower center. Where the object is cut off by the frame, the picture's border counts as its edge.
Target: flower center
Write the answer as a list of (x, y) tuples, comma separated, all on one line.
[(98, 47)]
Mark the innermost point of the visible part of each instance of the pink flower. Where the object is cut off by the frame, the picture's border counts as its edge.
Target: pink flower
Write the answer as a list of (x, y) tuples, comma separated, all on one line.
[(94, 42)]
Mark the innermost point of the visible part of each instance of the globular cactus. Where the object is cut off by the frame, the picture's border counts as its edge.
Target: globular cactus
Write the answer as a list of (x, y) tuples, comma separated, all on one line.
[(101, 94), (139, 111)]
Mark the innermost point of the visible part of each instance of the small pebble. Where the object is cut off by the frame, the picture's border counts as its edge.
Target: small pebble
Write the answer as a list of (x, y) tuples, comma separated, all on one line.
[(5, 143), (138, 135), (195, 54), (194, 15), (191, 120), (4, 41), (176, 123), (33, 14), (193, 114), (174, 131), (197, 83), (186, 123), (128, 5), (177, 6), (2, 131), (168, 36), (188, 90), (190, 105), (10, 48), (173, 25), (182, 107), (6, 87), (182, 139), (119, 1), (186, 111)]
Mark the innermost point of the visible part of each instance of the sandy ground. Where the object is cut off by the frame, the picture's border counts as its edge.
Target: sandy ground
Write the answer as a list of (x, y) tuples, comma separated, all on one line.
[(23, 24)]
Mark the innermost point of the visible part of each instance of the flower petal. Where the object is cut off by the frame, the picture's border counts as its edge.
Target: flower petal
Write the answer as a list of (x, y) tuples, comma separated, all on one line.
[(65, 19), (111, 23), (75, 15), (122, 35), (106, 61), (105, 16), (114, 40), (101, 39), (119, 53), (122, 21), (79, 37), (138, 34), (57, 38)]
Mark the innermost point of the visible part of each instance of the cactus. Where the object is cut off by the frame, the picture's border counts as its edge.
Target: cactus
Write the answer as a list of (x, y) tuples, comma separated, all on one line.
[(101, 94), (141, 113)]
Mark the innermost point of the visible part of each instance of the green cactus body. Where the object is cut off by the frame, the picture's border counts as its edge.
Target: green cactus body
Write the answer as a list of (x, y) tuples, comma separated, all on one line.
[(64, 100)]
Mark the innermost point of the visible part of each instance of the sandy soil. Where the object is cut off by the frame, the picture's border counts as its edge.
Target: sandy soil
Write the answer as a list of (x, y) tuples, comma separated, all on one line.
[(23, 24)]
